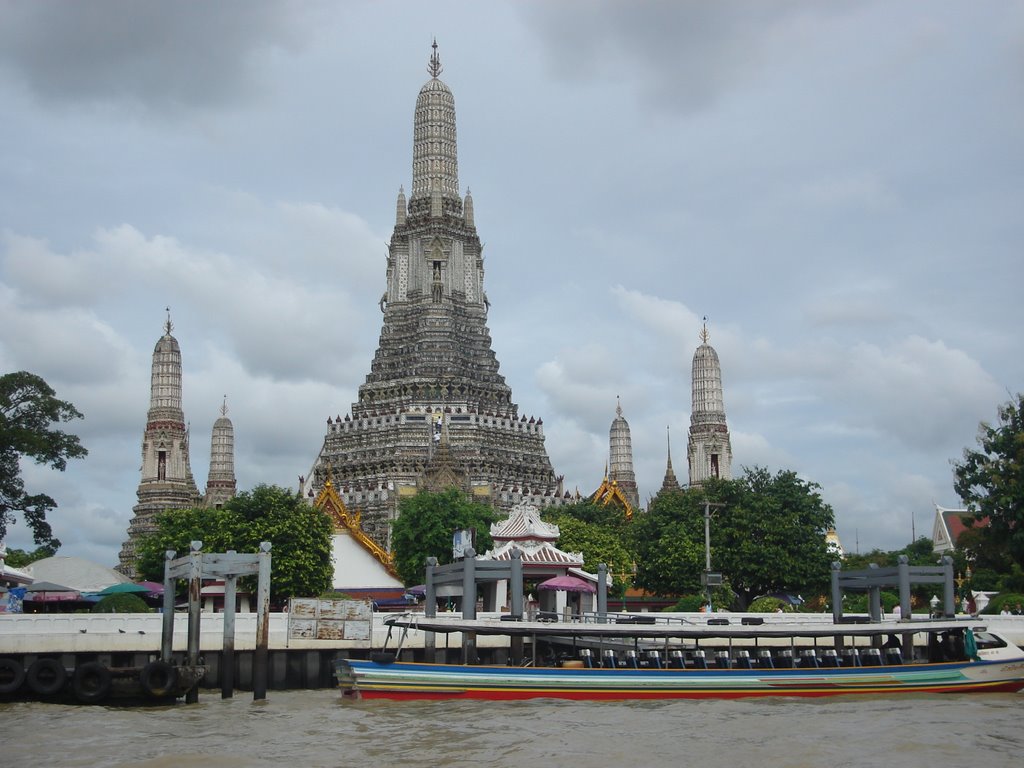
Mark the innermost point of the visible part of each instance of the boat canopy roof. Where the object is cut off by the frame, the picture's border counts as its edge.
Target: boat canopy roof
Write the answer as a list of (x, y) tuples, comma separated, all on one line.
[(647, 626)]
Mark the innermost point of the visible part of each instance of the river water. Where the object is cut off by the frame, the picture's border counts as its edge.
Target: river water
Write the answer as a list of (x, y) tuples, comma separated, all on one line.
[(305, 729)]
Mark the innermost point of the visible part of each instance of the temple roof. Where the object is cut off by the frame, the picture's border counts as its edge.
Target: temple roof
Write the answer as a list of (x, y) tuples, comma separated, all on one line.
[(609, 493), (330, 502), (537, 553), (523, 524)]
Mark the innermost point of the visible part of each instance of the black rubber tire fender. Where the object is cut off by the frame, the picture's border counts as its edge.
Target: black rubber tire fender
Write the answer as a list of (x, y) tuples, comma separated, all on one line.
[(158, 679), (12, 675), (91, 682), (46, 677)]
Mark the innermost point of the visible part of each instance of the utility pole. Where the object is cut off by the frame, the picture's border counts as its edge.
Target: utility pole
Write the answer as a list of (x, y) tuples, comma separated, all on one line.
[(708, 578)]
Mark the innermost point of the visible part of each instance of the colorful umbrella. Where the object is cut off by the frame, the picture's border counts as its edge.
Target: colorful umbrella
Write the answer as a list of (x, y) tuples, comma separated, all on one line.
[(125, 588), (567, 584), (47, 591)]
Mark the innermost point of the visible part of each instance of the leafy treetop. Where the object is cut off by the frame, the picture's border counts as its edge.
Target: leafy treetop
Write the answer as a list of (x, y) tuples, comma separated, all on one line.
[(299, 533), (425, 525), (28, 410), (990, 480)]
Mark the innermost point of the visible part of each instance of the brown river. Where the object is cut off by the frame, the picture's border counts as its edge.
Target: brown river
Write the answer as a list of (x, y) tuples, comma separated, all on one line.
[(296, 729)]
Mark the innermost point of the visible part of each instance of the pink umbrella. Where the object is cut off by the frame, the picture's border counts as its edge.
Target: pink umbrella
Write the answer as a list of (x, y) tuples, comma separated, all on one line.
[(567, 584)]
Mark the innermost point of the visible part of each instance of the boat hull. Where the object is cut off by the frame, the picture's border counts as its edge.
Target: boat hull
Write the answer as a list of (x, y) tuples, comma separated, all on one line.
[(402, 680)]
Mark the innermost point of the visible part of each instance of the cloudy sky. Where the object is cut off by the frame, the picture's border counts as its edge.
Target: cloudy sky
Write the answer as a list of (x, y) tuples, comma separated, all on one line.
[(838, 187)]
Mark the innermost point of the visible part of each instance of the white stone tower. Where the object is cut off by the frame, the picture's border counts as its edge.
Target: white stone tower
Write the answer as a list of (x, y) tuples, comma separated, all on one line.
[(620, 465), (709, 450), (434, 366), (220, 483), (167, 481)]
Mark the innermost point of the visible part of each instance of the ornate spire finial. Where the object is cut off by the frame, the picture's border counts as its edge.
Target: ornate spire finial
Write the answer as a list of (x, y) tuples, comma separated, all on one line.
[(704, 331), (668, 434), (224, 407), (434, 68), (168, 326), (618, 406)]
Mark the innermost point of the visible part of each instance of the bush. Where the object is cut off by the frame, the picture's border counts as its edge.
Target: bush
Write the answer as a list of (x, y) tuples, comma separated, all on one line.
[(1004, 600), (688, 604), (766, 604), (122, 603)]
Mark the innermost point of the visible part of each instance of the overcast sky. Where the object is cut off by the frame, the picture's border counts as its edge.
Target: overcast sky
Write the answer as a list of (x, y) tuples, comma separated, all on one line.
[(838, 187)]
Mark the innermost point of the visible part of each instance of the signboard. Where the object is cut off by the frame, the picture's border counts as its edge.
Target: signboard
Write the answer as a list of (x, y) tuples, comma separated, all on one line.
[(312, 619), (461, 541), (711, 579)]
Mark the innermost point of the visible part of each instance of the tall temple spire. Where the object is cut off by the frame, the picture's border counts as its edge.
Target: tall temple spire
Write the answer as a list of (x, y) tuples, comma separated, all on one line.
[(670, 483), (167, 480), (620, 451), (435, 164), (220, 483), (709, 450), (434, 356)]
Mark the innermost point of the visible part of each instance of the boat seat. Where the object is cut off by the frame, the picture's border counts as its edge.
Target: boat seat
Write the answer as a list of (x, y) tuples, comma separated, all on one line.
[(608, 660), (850, 657), (700, 660), (784, 660), (743, 660), (829, 658), (676, 660), (871, 657), (587, 657), (893, 656), (722, 660), (632, 660), (808, 659), (654, 659), (764, 659)]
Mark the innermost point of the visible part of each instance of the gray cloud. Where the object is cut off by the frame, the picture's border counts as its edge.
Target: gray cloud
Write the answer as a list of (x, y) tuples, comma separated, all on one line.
[(148, 52), (687, 54)]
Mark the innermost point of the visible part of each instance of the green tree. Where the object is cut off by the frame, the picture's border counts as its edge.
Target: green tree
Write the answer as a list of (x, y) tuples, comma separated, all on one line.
[(990, 480), (299, 533), (29, 409), (767, 535), (668, 541), (609, 517), (19, 558), (599, 544), (425, 526), (770, 536)]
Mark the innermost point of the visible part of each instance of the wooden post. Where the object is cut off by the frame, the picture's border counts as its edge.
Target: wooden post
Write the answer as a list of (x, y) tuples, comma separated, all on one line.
[(469, 604), (602, 592), (837, 593), (167, 627), (195, 583), (430, 611), (227, 656), (261, 656), (948, 593)]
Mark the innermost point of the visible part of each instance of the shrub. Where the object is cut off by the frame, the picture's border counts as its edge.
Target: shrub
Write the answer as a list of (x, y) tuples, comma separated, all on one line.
[(122, 603), (688, 604), (1004, 600), (766, 604)]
